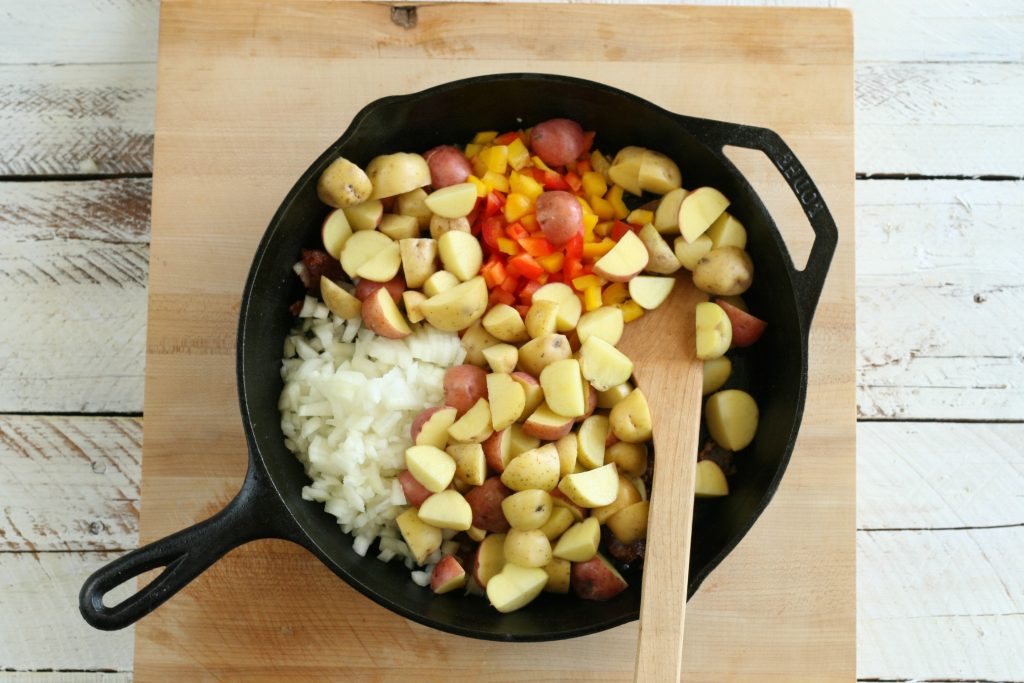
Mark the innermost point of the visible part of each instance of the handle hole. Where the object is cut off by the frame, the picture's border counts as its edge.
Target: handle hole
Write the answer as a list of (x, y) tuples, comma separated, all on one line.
[(778, 198), (123, 591)]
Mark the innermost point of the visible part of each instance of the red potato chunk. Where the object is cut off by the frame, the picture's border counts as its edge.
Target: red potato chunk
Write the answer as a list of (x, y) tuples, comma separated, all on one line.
[(558, 141), (448, 166), (415, 492), (560, 216), (746, 329), (395, 287), (485, 501), (464, 385), (596, 579)]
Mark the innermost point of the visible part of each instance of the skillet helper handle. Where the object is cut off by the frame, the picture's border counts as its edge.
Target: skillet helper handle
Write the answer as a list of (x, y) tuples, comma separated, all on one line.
[(809, 281), (253, 514)]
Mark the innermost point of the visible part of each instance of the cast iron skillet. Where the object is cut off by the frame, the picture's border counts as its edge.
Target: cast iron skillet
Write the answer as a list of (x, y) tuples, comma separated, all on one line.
[(269, 504)]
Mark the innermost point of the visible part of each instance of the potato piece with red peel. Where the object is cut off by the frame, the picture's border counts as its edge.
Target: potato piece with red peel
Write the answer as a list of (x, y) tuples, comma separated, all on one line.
[(528, 509), (603, 365), (699, 210), (339, 301), (559, 572), (593, 488), (629, 458), (609, 397), (631, 418), (505, 323), (460, 254), (561, 500), (432, 467), (690, 253), (666, 215), (716, 374), (625, 260), (605, 323), (557, 141), (501, 357), (448, 575), (559, 215), (422, 538), (723, 272), (383, 266), (419, 259), (453, 201), (561, 519), (661, 258), (732, 417), (726, 231), (335, 232), (590, 441), (457, 308), (411, 204), (527, 548), (542, 318), (626, 494), (415, 492), (597, 579), (630, 523), (568, 452), (394, 174), (381, 315), (590, 403), (563, 387), (498, 450), (470, 463), (537, 354), (395, 287), (464, 385), (713, 331), (569, 306), (650, 292), (475, 425), (521, 441), (447, 510), (515, 587), (485, 501), (489, 559), (448, 166), (534, 469), (579, 542), (365, 216), (531, 387), (411, 299), (362, 247), (430, 428), (474, 340), (746, 328), (710, 481), (546, 424), (343, 184), (507, 399), (625, 169)]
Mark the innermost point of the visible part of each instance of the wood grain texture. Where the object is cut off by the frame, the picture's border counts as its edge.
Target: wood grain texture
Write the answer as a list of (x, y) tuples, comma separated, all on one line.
[(69, 483), (186, 350), (73, 266), (939, 259), (66, 119), (41, 628)]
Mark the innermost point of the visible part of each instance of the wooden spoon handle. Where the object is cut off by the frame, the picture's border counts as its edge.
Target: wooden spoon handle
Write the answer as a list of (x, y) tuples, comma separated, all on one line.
[(676, 420)]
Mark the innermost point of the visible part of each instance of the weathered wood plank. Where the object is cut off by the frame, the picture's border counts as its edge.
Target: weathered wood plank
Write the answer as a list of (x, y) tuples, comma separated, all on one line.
[(40, 627), (69, 483), (940, 604), (70, 119), (73, 274), (939, 289), (79, 31)]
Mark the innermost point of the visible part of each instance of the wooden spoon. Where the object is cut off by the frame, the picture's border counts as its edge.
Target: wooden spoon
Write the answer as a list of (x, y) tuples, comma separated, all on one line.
[(662, 345)]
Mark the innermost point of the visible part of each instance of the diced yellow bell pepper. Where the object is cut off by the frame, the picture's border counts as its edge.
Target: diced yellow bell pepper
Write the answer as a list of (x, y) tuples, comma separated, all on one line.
[(615, 293), (599, 163), (481, 186), (594, 183), (587, 211), (529, 221), (596, 250), (614, 198), (496, 158), (479, 167), (518, 155), (524, 184), (592, 298), (496, 181), (584, 281), (484, 136), (631, 310), (472, 150), (640, 217), (602, 207), (604, 228), (516, 206), (553, 262), (508, 246), (540, 164)]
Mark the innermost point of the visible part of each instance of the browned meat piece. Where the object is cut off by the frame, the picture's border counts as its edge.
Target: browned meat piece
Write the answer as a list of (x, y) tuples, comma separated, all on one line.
[(721, 457), (319, 263)]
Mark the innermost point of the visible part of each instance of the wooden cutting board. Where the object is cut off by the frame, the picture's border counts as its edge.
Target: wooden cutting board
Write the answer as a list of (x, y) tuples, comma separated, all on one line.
[(248, 94)]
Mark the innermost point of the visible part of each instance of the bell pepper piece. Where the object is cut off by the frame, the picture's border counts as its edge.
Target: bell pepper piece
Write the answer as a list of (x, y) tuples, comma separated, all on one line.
[(583, 167), (536, 246), (491, 229), (586, 281), (507, 246), (518, 155), (496, 158), (573, 181), (552, 263), (596, 250), (602, 207), (506, 138), (592, 297), (521, 183), (620, 229), (500, 296), (631, 310), (472, 149), (517, 232), (484, 136), (614, 198), (516, 206), (526, 266), (496, 181), (588, 141), (594, 184), (481, 186), (589, 223), (494, 204), (540, 164), (510, 284), (523, 309), (529, 221), (527, 290), (615, 293), (574, 247), (640, 217), (493, 272)]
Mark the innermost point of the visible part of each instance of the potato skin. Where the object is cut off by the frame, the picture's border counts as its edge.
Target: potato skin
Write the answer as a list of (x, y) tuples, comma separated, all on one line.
[(725, 271), (464, 385), (557, 141), (485, 501), (343, 184), (448, 166)]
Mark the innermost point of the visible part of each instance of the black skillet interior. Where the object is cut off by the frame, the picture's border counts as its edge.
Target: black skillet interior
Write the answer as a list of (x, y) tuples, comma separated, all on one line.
[(774, 370)]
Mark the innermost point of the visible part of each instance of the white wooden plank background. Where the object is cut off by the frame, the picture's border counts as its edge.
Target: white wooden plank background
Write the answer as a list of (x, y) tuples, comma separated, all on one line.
[(940, 98)]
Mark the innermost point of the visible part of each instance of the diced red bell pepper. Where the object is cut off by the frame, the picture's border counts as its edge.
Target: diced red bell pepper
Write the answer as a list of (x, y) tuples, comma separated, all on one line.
[(550, 180), (527, 290), (493, 272), (620, 228), (588, 142), (536, 246), (573, 181), (471, 216), (517, 232), (510, 284), (526, 266), (583, 167), (574, 247), (505, 138), (494, 204), (492, 229), (572, 269), (500, 296), (523, 309)]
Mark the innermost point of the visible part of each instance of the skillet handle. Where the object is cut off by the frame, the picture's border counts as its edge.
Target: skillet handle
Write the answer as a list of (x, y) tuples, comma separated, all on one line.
[(809, 281), (255, 512)]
